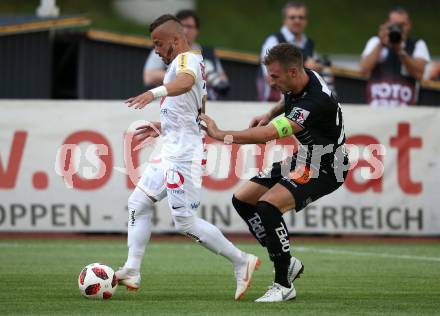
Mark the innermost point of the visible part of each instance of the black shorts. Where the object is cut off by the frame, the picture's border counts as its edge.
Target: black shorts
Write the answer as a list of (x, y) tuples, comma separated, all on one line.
[(306, 186)]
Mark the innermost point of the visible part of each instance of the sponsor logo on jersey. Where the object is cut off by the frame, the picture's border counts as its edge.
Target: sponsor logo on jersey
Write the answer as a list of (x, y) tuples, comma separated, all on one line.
[(299, 115), (176, 191), (174, 179)]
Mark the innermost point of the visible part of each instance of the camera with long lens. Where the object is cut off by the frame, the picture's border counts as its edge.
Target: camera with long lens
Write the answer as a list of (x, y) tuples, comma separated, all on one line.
[(395, 33), (326, 72), (214, 79), (324, 60)]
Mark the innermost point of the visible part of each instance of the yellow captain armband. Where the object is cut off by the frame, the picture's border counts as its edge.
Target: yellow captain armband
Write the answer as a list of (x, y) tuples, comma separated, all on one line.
[(283, 127)]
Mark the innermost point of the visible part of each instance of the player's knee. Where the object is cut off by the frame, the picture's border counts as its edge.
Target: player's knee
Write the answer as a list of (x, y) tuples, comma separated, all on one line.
[(243, 196), (239, 197), (236, 202), (139, 201), (184, 224), (243, 208), (267, 210), (283, 203)]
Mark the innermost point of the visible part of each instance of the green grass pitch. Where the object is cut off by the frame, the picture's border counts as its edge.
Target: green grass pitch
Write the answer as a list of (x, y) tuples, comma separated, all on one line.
[(181, 278)]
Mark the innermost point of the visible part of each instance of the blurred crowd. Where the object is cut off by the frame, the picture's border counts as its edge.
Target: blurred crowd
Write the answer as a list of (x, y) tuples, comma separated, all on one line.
[(392, 60)]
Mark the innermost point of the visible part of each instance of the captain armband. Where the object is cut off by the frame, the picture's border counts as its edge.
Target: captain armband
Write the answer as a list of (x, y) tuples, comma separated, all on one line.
[(283, 127)]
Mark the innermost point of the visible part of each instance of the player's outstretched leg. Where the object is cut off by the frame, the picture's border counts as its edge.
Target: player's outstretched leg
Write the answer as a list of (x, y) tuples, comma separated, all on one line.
[(212, 238), (278, 247), (140, 209)]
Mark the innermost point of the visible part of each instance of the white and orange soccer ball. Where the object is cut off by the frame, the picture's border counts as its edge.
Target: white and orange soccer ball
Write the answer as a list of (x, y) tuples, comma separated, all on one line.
[(97, 281)]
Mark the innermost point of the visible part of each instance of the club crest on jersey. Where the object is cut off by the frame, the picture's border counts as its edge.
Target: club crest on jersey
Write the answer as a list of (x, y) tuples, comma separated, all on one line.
[(174, 179), (299, 115)]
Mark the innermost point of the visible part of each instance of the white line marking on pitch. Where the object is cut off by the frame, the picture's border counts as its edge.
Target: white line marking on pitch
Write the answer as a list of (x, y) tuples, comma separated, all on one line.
[(366, 254), (299, 249)]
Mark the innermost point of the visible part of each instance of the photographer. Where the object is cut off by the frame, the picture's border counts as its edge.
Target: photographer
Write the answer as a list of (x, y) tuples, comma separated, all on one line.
[(216, 79), (394, 62)]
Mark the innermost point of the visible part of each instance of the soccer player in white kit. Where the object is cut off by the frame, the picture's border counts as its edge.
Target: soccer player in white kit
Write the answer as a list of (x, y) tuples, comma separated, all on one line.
[(179, 174)]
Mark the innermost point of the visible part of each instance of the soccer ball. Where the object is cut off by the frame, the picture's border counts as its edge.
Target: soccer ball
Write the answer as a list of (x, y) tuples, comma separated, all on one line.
[(97, 281)]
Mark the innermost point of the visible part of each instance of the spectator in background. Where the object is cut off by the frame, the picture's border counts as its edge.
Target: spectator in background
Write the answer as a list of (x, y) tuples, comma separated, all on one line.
[(394, 62), (294, 22), (217, 81)]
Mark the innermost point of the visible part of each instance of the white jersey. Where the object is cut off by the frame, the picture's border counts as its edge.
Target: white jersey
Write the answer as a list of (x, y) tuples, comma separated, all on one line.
[(179, 116)]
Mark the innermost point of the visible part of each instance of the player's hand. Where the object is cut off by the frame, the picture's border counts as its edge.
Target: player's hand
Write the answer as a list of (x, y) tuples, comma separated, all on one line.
[(150, 129), (141, 100), (210, 126), (383, 34), (260, 120)]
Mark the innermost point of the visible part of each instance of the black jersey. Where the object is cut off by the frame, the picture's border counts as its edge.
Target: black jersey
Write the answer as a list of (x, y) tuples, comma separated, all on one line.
[(318, 112)]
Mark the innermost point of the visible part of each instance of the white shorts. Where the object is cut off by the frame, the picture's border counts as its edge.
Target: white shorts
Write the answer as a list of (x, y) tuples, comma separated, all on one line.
[(181, 182)]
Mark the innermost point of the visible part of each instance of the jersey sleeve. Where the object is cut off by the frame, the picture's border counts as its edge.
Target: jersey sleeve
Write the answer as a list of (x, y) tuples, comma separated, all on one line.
[(304, 113), (421, 51), (189, 64), (369, 47)]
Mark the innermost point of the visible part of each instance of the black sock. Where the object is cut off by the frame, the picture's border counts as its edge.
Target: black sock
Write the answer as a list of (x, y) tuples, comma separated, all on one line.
[(277, 240), (250, 215)]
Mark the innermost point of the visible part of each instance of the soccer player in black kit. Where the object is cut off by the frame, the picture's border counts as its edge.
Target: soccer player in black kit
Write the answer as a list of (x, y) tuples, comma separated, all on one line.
[(319, 167)]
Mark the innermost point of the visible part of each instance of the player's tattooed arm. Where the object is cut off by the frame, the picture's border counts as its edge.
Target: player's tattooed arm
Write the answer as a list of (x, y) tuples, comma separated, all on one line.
[(180, 85)]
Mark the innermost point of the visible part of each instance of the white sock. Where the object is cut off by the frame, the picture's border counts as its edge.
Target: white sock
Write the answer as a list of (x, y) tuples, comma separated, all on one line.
[(210, 237), (140, 209)]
